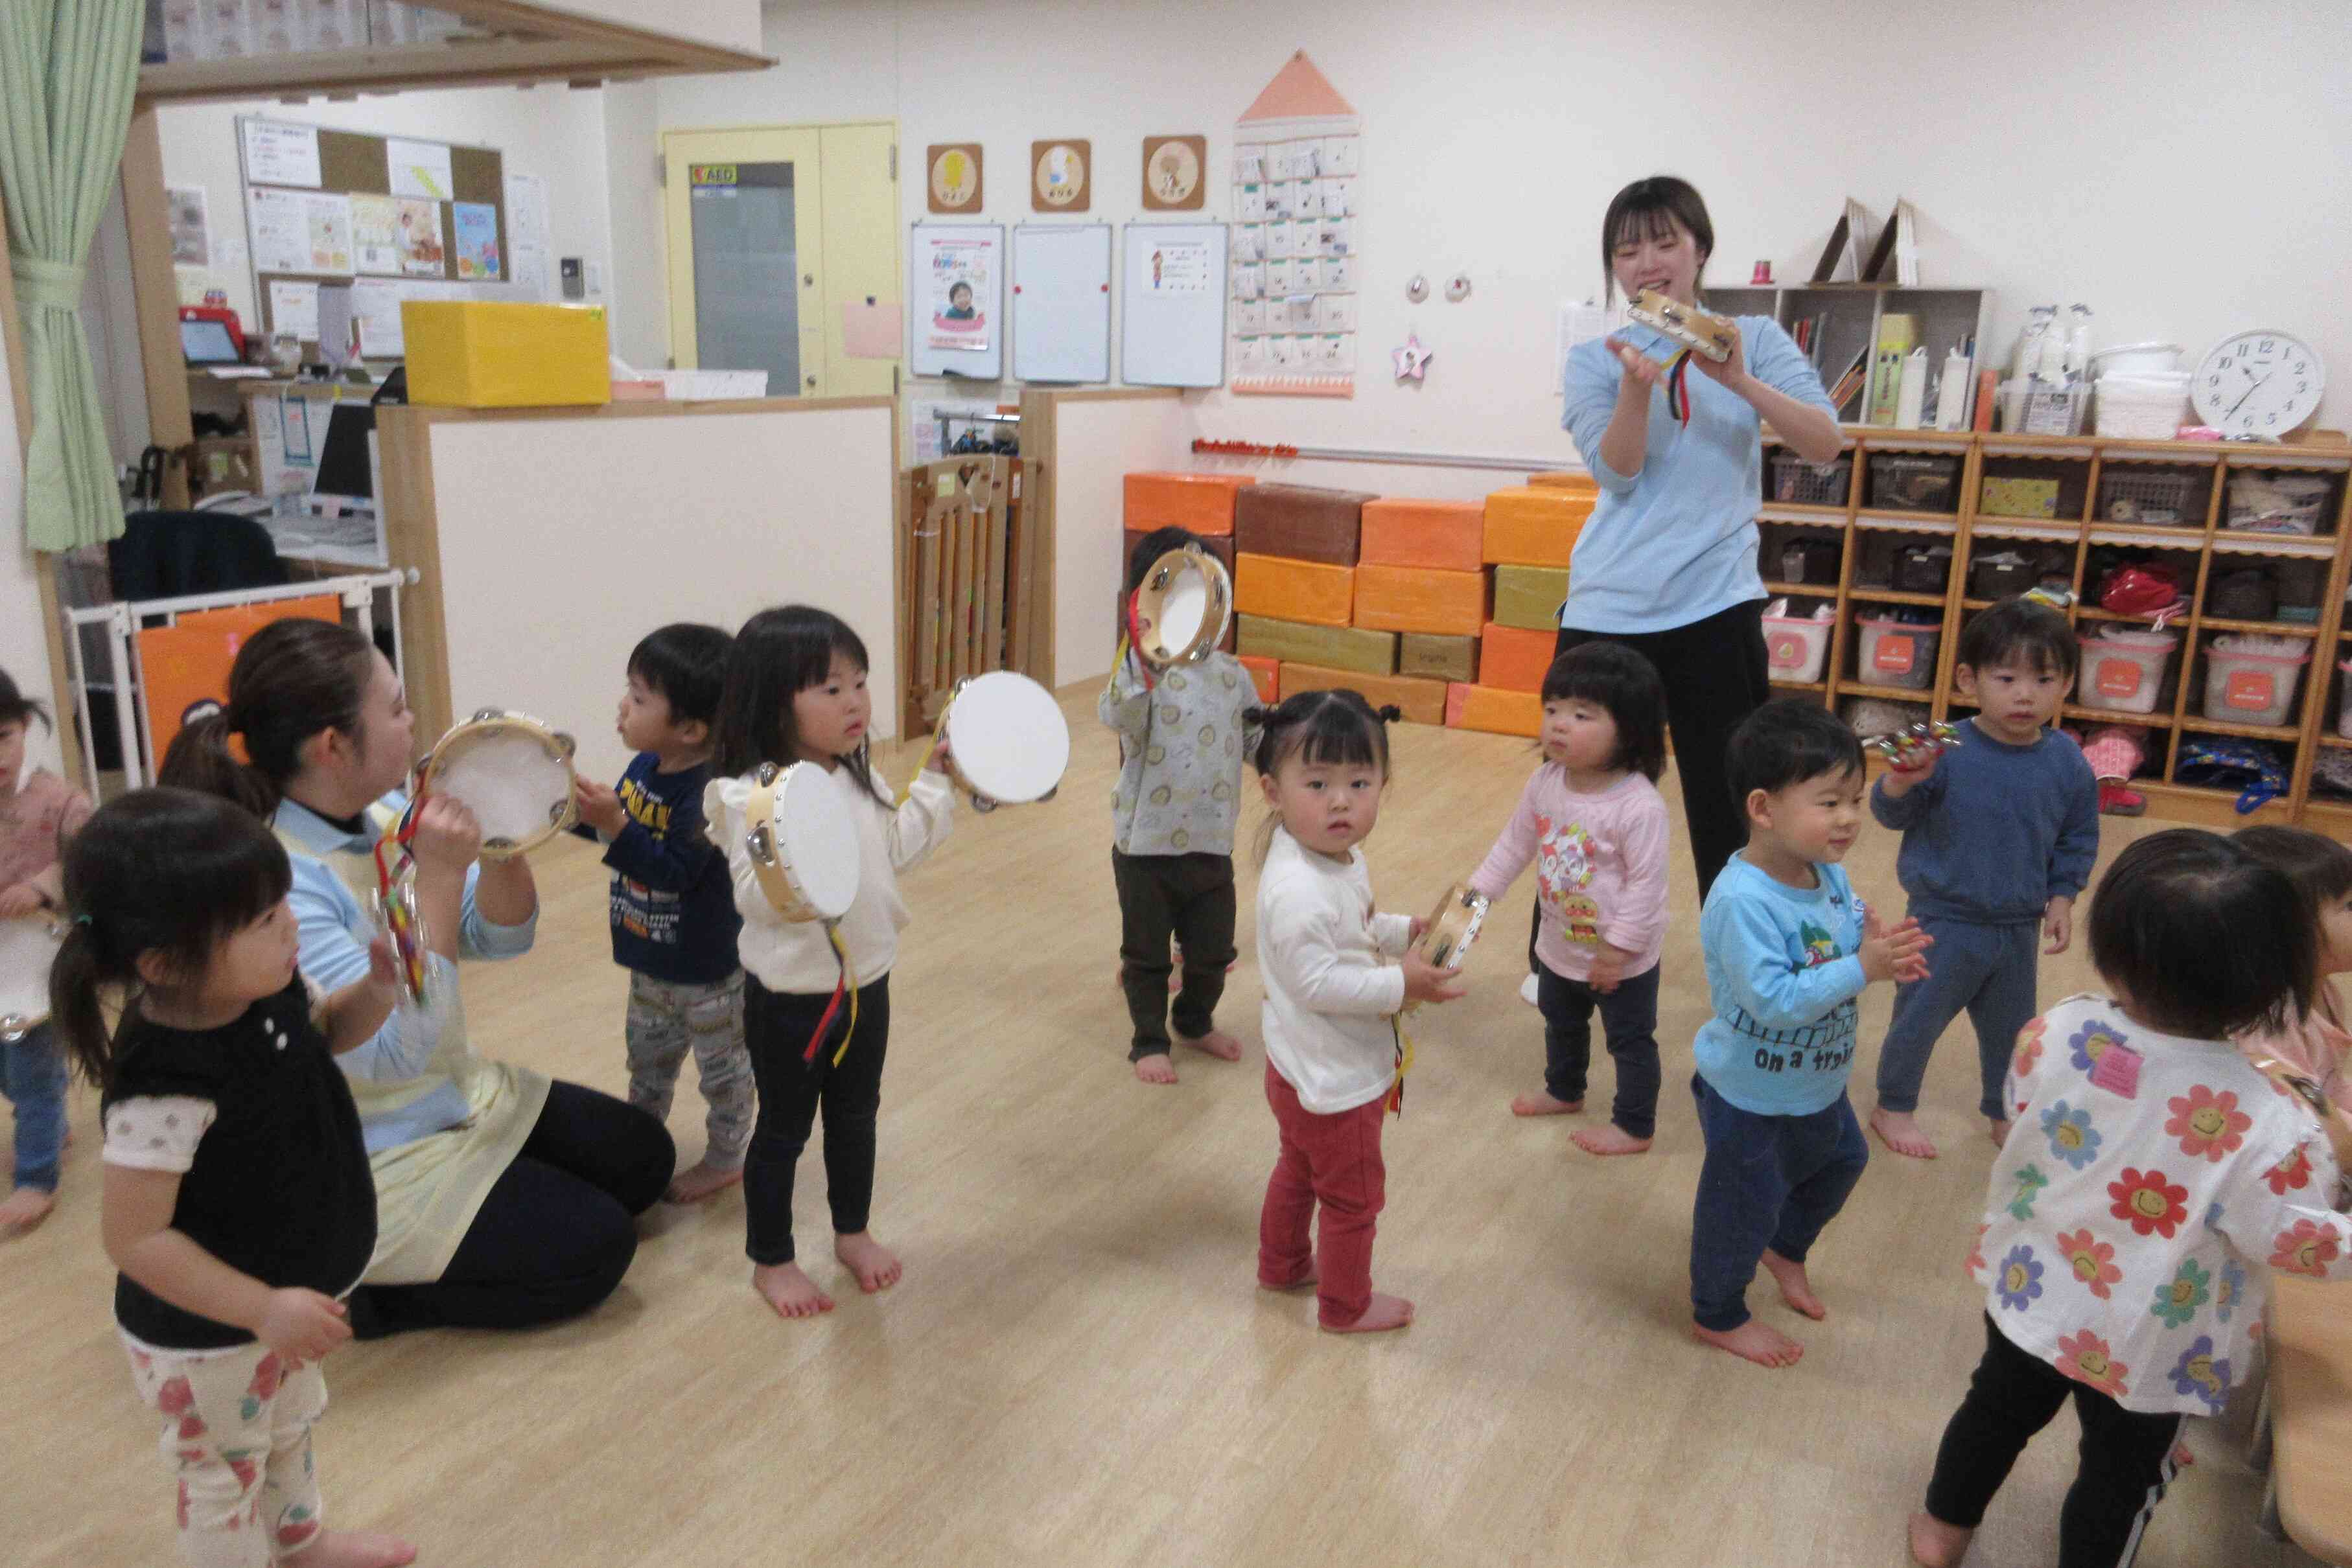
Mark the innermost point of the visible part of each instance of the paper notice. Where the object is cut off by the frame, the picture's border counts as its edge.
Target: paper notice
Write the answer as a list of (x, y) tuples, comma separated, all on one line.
[(191, 243), (294, 308), (280, 230), (1182, 266), (477, 223), (281, 154), (419, 169), (420, 251), (327, 223), (376, 307)]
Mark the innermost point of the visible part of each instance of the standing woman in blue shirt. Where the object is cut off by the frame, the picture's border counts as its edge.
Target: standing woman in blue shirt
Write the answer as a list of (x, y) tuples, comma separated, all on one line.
[(1666, 565)]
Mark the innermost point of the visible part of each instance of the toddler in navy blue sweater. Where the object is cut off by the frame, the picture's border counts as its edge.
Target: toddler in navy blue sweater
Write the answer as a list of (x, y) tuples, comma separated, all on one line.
[(674, 919), (2000, 834)]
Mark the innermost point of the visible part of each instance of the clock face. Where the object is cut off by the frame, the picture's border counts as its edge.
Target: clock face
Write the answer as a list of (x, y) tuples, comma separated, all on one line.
[(2258, 383)]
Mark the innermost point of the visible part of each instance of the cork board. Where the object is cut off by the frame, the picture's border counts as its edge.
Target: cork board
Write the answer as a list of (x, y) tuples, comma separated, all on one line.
[(358, 164)]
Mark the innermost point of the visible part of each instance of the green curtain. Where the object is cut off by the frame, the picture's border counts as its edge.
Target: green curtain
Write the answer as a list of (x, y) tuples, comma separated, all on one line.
[(69, 69)]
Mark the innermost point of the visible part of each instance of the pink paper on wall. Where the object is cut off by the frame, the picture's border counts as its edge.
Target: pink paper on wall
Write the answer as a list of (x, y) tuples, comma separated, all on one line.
[(869, 330)]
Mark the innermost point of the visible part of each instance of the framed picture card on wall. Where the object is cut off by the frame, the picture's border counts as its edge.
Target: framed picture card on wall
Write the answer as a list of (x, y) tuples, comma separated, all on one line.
[(1061, 176), (954, 176), (1174, 173)]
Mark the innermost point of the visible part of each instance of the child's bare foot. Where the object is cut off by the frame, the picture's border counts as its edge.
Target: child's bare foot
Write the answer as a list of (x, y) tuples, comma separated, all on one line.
[(2000, 1130), (1934, 1544), (1795, 1289), (793, 1294), (1900, 1131), (2182, 1457), (1216, 1043), (1611, 1139), (1155, 1067), (1385, 1313), (875, 1266), (350, 1549), (700, 1180), (1306, 1277), (25, 1207), (1753, 1341), (1541, 1103)]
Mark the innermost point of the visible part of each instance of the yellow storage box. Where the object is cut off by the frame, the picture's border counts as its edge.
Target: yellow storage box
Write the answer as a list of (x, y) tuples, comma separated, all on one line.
[(483, 353)]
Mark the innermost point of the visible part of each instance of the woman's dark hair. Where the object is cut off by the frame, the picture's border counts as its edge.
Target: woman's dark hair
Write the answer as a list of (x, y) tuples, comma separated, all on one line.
[(1150, 547), (1787, 742), (2320, 868), (2202, 937), (1619, 681), (292, 679), (1642, 209), (162, 870), (15, 708), (777, 655), (685, 665), (1336, 727), (2021, 631)]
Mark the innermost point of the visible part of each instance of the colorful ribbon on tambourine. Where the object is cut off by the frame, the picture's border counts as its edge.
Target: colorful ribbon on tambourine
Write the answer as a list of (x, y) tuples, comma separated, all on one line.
[(1678, 385), (397, 903), (1395, 1104), (846, 987)]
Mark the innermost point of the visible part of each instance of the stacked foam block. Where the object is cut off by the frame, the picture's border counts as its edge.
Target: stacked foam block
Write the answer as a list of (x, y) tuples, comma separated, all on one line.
[(1445, 609), (1202, 503)]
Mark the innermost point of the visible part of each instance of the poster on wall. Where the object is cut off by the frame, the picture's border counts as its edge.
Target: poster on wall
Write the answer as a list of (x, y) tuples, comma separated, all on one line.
[(419, 169), (419, 229), (299, 231), (958, 293), (375, 234), (281, 154), (192, 244), (476, 226), (1297, 196)]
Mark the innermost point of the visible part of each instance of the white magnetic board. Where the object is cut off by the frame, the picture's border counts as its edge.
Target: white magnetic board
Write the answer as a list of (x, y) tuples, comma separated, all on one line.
[(1061, 302), (955, 307), (1174, 332)]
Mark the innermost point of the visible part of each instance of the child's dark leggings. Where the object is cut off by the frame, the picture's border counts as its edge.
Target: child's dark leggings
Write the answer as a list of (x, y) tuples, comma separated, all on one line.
[(776, 1027), (2125, 1455)]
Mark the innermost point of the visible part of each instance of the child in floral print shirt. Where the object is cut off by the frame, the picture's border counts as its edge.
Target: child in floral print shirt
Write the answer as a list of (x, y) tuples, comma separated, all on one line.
[(2152, 1178)]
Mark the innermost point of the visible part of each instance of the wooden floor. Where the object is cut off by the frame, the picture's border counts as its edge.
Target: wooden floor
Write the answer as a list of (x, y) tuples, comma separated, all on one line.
[(1077, 1369)]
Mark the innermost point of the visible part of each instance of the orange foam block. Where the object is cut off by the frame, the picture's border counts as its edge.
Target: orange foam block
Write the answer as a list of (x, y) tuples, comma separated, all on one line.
[(1565, 479), (1422, 702), (1514, 658), (1201, 502), (1290, 590), (1534, 525), (1492, 709), (1266, 675), (1420, 599), (1448, 535)]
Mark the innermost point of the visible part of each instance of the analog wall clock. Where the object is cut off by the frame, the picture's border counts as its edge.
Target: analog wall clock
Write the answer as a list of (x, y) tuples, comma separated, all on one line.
[(2258, 385), (1060, 178)]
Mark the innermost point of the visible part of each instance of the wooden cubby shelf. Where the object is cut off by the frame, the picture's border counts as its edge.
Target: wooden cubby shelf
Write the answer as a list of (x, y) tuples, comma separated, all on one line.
[(2190, 478)]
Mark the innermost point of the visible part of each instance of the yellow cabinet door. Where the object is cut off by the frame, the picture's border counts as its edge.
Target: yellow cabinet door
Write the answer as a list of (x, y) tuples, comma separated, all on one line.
[(861, 259)]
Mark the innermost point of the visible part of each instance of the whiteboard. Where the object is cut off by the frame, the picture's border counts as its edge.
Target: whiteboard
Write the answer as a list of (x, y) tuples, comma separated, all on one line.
[(944, 342), (1175, 302), (1061, 302)]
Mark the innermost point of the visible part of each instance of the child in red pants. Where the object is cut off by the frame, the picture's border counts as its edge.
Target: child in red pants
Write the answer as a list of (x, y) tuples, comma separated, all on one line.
[(1332, 1056)]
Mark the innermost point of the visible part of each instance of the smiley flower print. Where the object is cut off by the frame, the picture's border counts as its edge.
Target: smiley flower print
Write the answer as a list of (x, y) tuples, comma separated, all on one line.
[(2090, 1043), (2092, 1260), (2208, 1125), (2087, 1358), (2307, 1248), (2070, 1134), (2029, 1183), (2200, 1375), (2020, 1279), (2147, 1202), (2029, 1048), (2292, 1172), (2233, 1287), (2177, 1299)]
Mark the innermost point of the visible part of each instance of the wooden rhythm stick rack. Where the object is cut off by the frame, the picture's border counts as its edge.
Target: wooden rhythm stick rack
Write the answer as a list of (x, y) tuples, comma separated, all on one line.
[(972, 561)]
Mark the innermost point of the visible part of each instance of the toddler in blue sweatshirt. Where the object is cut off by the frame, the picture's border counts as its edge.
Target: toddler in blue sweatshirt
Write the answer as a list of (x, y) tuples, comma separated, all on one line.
[(674, 919), (1999, 833), (1789, 948)]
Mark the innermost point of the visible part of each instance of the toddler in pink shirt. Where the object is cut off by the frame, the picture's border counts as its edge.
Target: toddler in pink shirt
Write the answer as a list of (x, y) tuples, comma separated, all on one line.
[(1592, 822)]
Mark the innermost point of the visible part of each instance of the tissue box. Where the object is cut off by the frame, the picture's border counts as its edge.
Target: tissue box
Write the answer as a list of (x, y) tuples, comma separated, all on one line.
[(481, 353), (2018, 499)]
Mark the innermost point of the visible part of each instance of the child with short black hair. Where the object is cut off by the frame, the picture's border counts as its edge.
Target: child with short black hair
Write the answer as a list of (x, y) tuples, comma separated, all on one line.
[(39, 812), (2153, 1180), (1182, 735), (1593, 823), (1789, 948), (2316, 1042), (2000, 834), (673, 904)]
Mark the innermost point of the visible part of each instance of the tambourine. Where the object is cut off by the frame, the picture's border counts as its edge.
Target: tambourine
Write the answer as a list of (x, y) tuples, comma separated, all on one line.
[(1452, 929), (1008, 744), (1182, 608), (801, 835), (1917, 746), (28, 949), (1700, 331), (512, 771)]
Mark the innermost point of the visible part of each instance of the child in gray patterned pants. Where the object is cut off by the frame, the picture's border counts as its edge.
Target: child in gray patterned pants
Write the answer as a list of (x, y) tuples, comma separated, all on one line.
[(674, 919)]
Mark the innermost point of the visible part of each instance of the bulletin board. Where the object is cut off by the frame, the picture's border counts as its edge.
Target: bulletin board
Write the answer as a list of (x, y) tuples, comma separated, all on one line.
[(396, 217), (1061, 302), (955, 308), (1175, 333)]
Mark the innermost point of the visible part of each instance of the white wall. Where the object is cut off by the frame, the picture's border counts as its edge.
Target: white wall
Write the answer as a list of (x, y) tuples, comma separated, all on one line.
[(2109, 152), (1098, 444), (730, 24)]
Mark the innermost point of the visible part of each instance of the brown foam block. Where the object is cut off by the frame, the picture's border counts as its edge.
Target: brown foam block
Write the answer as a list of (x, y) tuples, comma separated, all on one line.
[(1333, 647), (1513, 658), (1437, 658), (1420, 599), (1448, 535), (1218, 545), (1291, 590), (1422, 702), (1300, 522), (1529, 596), (1201, 502)]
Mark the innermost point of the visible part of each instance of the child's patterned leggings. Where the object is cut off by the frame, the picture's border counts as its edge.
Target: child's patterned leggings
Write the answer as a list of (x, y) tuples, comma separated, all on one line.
[(236, 1433)]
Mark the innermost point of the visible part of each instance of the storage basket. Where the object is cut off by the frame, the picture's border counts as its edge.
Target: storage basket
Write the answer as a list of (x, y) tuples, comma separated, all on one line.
[(2123, 672), (2147, 405), (2276, 503), (2160, 499), (1802, 483), (2252, 680), (1923, 569), (2003, 576), (1915, 481), (1897, 653), (1795, 647)]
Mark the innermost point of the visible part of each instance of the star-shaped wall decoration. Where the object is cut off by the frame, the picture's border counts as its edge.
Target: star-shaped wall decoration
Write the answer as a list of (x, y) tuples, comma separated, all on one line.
[(1413, 360)]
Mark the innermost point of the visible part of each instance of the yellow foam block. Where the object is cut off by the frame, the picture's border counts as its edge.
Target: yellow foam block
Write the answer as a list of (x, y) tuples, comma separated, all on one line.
[(1293, 589), (1334, 647), (485, 354), (1565, 479), (1420, 599), (1422, 702), (1449, 534), (1529, 596), (1494, 710), (1534, 525)]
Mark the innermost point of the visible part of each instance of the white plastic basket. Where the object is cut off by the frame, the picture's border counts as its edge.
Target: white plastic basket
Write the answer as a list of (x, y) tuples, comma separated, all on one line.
[(2124, 671), (2147, 405), (1794, 648), (2252, 680), (1897, 653)]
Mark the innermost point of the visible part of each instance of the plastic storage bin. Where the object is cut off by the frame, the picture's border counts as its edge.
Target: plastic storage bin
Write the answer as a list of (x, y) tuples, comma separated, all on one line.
[(2142, 405), (2124, 671), (1802, 483), (1795, 647), (2276, 503), (1897, 653), (2163, 499), (2252, 680), (1923, 569), (2000, 576), (1915, 481)]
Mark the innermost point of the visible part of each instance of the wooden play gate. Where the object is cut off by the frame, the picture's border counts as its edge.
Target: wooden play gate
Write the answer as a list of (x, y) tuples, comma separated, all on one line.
[(977, 587)]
